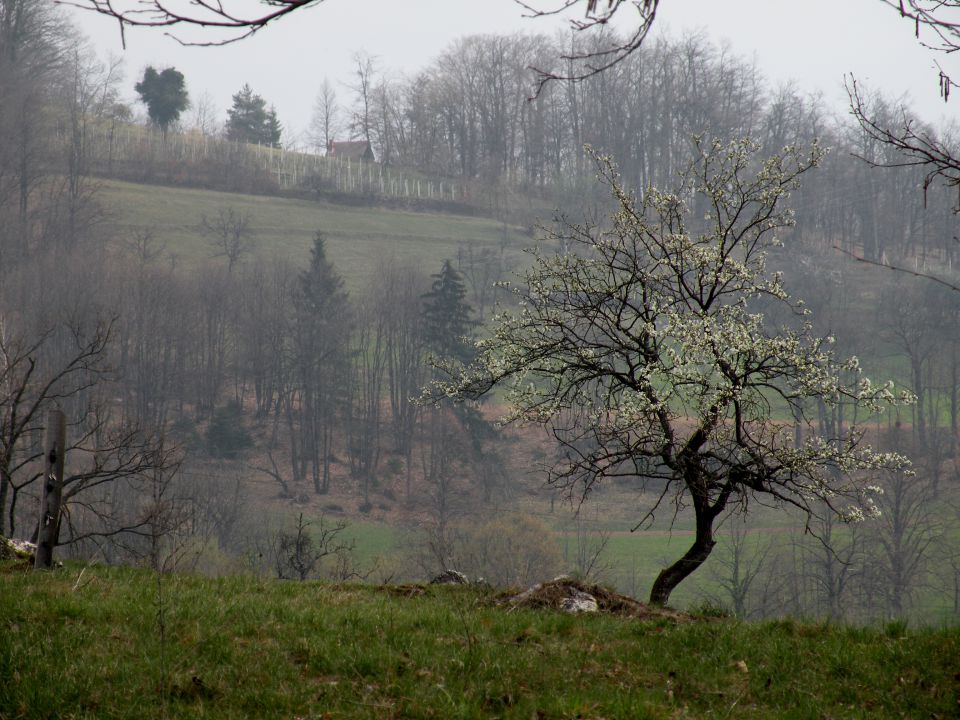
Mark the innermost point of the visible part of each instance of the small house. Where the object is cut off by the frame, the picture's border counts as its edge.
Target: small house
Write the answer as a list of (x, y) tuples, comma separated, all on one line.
[(353, 150)]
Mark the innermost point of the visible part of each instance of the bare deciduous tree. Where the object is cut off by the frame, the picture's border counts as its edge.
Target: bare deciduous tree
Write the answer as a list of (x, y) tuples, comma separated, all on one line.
[(299, 554), (104, 451), (231, 235), (28, 387), (325, 121)]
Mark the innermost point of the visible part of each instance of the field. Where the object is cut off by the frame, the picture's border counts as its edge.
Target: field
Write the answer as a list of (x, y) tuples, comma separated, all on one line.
[(100, 642), (357, 237)]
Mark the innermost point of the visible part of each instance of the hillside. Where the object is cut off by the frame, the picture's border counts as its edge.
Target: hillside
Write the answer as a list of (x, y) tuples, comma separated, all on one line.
[(100, 642), (389, 528), (282, 227)]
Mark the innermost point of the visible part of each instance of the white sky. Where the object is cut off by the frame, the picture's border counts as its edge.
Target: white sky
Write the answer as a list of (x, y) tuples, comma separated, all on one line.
[(813, 42)]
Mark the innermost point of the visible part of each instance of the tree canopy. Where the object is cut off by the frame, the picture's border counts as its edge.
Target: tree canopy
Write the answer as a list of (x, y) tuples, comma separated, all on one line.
[(165, 95), (647, 351)]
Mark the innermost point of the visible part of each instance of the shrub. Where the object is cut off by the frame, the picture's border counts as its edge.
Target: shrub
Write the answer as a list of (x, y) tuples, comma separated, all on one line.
[(507, 551), (226, 435)]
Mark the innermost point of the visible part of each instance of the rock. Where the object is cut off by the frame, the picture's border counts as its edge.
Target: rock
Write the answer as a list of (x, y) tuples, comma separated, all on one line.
[(578, 602), (13, 549), (450, 577), (561, 593), (575, 596)]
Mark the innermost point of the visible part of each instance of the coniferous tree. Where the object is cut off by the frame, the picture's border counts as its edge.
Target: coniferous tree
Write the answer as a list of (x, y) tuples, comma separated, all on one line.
[(447, 326), (322, 329), (249, 120), (447, 316), (273, 130)]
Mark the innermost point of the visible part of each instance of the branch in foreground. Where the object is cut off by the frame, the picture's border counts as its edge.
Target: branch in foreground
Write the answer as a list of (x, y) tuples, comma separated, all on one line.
[(236, 21), (585, 64), (939, 17), (917, 146), (896, 268)]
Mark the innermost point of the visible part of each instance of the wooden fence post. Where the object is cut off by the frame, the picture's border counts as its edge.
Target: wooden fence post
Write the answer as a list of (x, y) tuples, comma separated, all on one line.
[(55, 448)]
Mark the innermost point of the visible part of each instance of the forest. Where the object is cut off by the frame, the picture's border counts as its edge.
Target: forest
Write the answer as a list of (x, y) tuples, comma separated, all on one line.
[(233, 407)]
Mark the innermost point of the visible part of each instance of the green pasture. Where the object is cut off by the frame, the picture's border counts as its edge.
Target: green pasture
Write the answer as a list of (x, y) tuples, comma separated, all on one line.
[(358, 238), (103, 642)]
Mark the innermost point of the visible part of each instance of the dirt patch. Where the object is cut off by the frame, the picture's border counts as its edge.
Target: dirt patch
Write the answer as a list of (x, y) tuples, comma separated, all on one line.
[(407, 591), (550, 595)]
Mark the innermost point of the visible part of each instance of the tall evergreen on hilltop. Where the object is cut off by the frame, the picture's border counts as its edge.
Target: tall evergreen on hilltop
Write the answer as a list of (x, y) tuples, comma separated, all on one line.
[(249, 120)]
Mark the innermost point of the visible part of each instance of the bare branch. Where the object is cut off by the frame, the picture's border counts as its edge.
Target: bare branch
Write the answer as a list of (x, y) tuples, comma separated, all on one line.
[(589, 62), (896, 268), (234, 23), (918, 147), (941, 18)]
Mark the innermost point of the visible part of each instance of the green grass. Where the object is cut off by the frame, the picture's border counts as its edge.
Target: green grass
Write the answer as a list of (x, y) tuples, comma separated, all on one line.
[(90, 646), (358, 237)]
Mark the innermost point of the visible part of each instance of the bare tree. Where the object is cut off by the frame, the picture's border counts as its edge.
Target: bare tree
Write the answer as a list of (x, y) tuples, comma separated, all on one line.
[(832, 561), (204, 115), (111, 457), (918, 145), (33, 49), (364, 87), (588, 555), (89, 92), (298, 555), (28, 387), (231, 235), (325, 121), (737, 567), (906, 535), (105, 452), (404, 349), (276, 474), (368, 368)]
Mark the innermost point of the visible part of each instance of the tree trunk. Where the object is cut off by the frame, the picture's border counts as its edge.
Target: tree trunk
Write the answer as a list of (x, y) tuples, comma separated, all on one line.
[(49, 525), (4, 485), (670, 577)]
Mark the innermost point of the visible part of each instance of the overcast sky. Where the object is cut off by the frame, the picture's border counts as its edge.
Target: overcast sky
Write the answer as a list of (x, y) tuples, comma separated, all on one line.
[(813, 42)]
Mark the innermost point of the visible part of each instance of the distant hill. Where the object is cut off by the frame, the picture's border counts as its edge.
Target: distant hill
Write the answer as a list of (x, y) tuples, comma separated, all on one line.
[(357, 236)]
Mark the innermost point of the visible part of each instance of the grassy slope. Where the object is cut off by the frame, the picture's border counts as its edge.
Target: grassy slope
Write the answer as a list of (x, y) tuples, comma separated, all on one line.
[(358, 237), (88, 645)]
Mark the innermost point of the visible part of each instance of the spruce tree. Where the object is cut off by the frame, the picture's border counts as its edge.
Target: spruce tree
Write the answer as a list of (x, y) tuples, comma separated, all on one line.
[(249, 120), (322, 332), (447, 316)]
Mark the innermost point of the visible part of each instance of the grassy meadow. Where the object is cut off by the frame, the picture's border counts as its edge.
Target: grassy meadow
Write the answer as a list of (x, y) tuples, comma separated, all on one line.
[(358, 238), (101, 642)]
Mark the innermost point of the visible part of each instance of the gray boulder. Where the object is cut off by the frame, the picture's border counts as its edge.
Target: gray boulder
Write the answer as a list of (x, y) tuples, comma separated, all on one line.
[(450, 577), (578, 602)]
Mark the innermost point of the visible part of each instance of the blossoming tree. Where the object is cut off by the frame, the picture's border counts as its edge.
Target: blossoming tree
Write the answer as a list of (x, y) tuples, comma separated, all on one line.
[(644, 351)]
